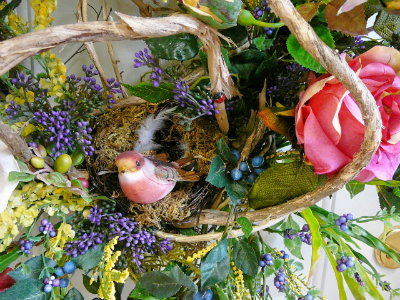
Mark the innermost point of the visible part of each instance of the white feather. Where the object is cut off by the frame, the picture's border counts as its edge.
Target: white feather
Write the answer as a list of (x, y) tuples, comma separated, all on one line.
[(147, 130)]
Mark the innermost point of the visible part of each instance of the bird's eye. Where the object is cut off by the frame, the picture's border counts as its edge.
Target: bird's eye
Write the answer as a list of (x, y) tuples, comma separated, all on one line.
[(137, 163)]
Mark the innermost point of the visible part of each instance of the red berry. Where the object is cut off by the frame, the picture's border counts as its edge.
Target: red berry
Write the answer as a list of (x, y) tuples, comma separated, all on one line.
[(84, 182)]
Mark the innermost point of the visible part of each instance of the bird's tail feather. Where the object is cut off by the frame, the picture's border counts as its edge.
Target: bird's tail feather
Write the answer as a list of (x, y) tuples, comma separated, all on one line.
[(147, 130)]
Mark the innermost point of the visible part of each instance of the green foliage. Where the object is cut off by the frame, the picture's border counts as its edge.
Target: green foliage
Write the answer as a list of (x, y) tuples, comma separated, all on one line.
[(283, 182), (140, 292), (302, 56), (91, 288), (237, 34), (9, 8), (8, 258), (73, 294), (215, 268), (36, 265), (182, 46), (216, 174), (236, 189), (177, 274), (354, 187), (25, 289), (159, 284), (225, 152), (246, 63), (247, 227), (90, 259), (20, 176), (150, 93), (56, 179), (388, 199), (244, 258), (386, 25)]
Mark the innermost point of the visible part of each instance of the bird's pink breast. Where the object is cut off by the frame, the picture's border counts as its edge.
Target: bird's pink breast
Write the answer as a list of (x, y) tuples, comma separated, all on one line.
[(141, 189)]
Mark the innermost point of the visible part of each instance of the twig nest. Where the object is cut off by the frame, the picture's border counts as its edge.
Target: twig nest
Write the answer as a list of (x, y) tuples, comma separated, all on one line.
[(114, 133)]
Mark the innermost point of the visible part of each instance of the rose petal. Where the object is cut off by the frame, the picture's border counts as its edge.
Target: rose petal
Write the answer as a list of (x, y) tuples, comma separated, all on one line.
[(349, 5), (384, 165), (319, 149)]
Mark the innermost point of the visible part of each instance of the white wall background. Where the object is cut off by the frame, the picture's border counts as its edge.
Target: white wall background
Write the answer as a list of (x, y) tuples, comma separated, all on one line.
[(363, 204)]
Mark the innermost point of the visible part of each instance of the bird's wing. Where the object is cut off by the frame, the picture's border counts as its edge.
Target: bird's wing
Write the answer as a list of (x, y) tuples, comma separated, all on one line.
[(168, 171)]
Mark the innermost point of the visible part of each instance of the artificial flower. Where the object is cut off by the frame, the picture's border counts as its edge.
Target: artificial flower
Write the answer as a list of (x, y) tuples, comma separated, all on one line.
[(329, 123), (7, 165)]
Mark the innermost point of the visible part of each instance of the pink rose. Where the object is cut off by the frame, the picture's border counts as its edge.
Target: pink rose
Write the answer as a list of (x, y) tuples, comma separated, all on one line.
[(329, 123)]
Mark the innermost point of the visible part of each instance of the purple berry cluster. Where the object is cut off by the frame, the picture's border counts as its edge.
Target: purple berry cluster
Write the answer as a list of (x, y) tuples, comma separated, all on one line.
[(58, 279), (26, 246), (47, 228), (258, 11), (358, 278), (83, 244), (304, 234), (342, 221), (306, 297), (280, 280), (385, 286), (266, 260), (343, 263), (95, 215), (260, 291), (358, 42)]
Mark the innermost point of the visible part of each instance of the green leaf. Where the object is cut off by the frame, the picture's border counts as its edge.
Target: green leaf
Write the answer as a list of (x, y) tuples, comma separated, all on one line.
[(314, 293), (73, 294), (356, 230), (353, 286), (181, 278), (221, 294), (140, 292), (20, 176), (296, 251), (391, 183), (302, 56), (299, 266), (214, 272), (90, 259), (236, 189), (225, 152), (338, 275), (216, 175), (36, 265), (354, 187), (27, 289), (150, 93), (56, 179), (26, 270), (316, 237), (219, 252), (159, 284), (269, 271), (386, 25), (187, 231), (244, 258), (9, 8), (8, 258), (387, 199), (182, 46), (92, 288), (297, 241), (247, 62), (289, 244), (293, 224), (237, 34), (278, 263), (334, 248), (265, 69), (283, 182), (23, 167), (247, 227), (204, 58)]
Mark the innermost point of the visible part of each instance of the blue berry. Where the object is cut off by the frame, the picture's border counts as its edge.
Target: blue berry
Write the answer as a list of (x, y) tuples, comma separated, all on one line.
[(350, 263), (197, 296), (349, 217), (268, 256), (41, 228), (251, 178), (262, 264), (309, 297), (341, 268), (48, 288), (236, 174), (28, 245), (306, 228), (52, 233), (243, 166), (59, 271), (64, 282), (69, 267), (337, 222), (259, 170), (236, 153), (257, 161), (208, 294), (44, 222), (344, 227), (286, 256), (342, 220)]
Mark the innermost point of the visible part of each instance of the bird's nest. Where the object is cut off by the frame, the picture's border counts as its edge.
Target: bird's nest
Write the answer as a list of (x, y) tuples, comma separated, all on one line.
[(115, 133)]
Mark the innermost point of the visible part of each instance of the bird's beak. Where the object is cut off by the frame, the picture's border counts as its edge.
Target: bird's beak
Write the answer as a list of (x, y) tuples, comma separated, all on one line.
[(125, 169)]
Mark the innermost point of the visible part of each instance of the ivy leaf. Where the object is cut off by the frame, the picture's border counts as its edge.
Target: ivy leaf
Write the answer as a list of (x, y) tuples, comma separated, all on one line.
[(354, 187), (73, 294), (159, 284), (216, 175), (20, 176), (244, 258), (302, 56), (36, 265), (214, 272), (29, 288), (386, 25), (90, 259), (387, 199), (283, 182), (91, 288), (8, 258), (181, 278), (351, 22), (308, 10), (225, 152), (150, 93), (182, 46), (236, 190), (247, 227)]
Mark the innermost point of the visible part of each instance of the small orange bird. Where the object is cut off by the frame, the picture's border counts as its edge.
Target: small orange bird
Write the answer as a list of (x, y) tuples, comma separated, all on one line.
[(145, 179)]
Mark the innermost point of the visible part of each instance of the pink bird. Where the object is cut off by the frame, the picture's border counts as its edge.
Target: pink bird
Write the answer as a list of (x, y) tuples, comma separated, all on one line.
[(145, 179)]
